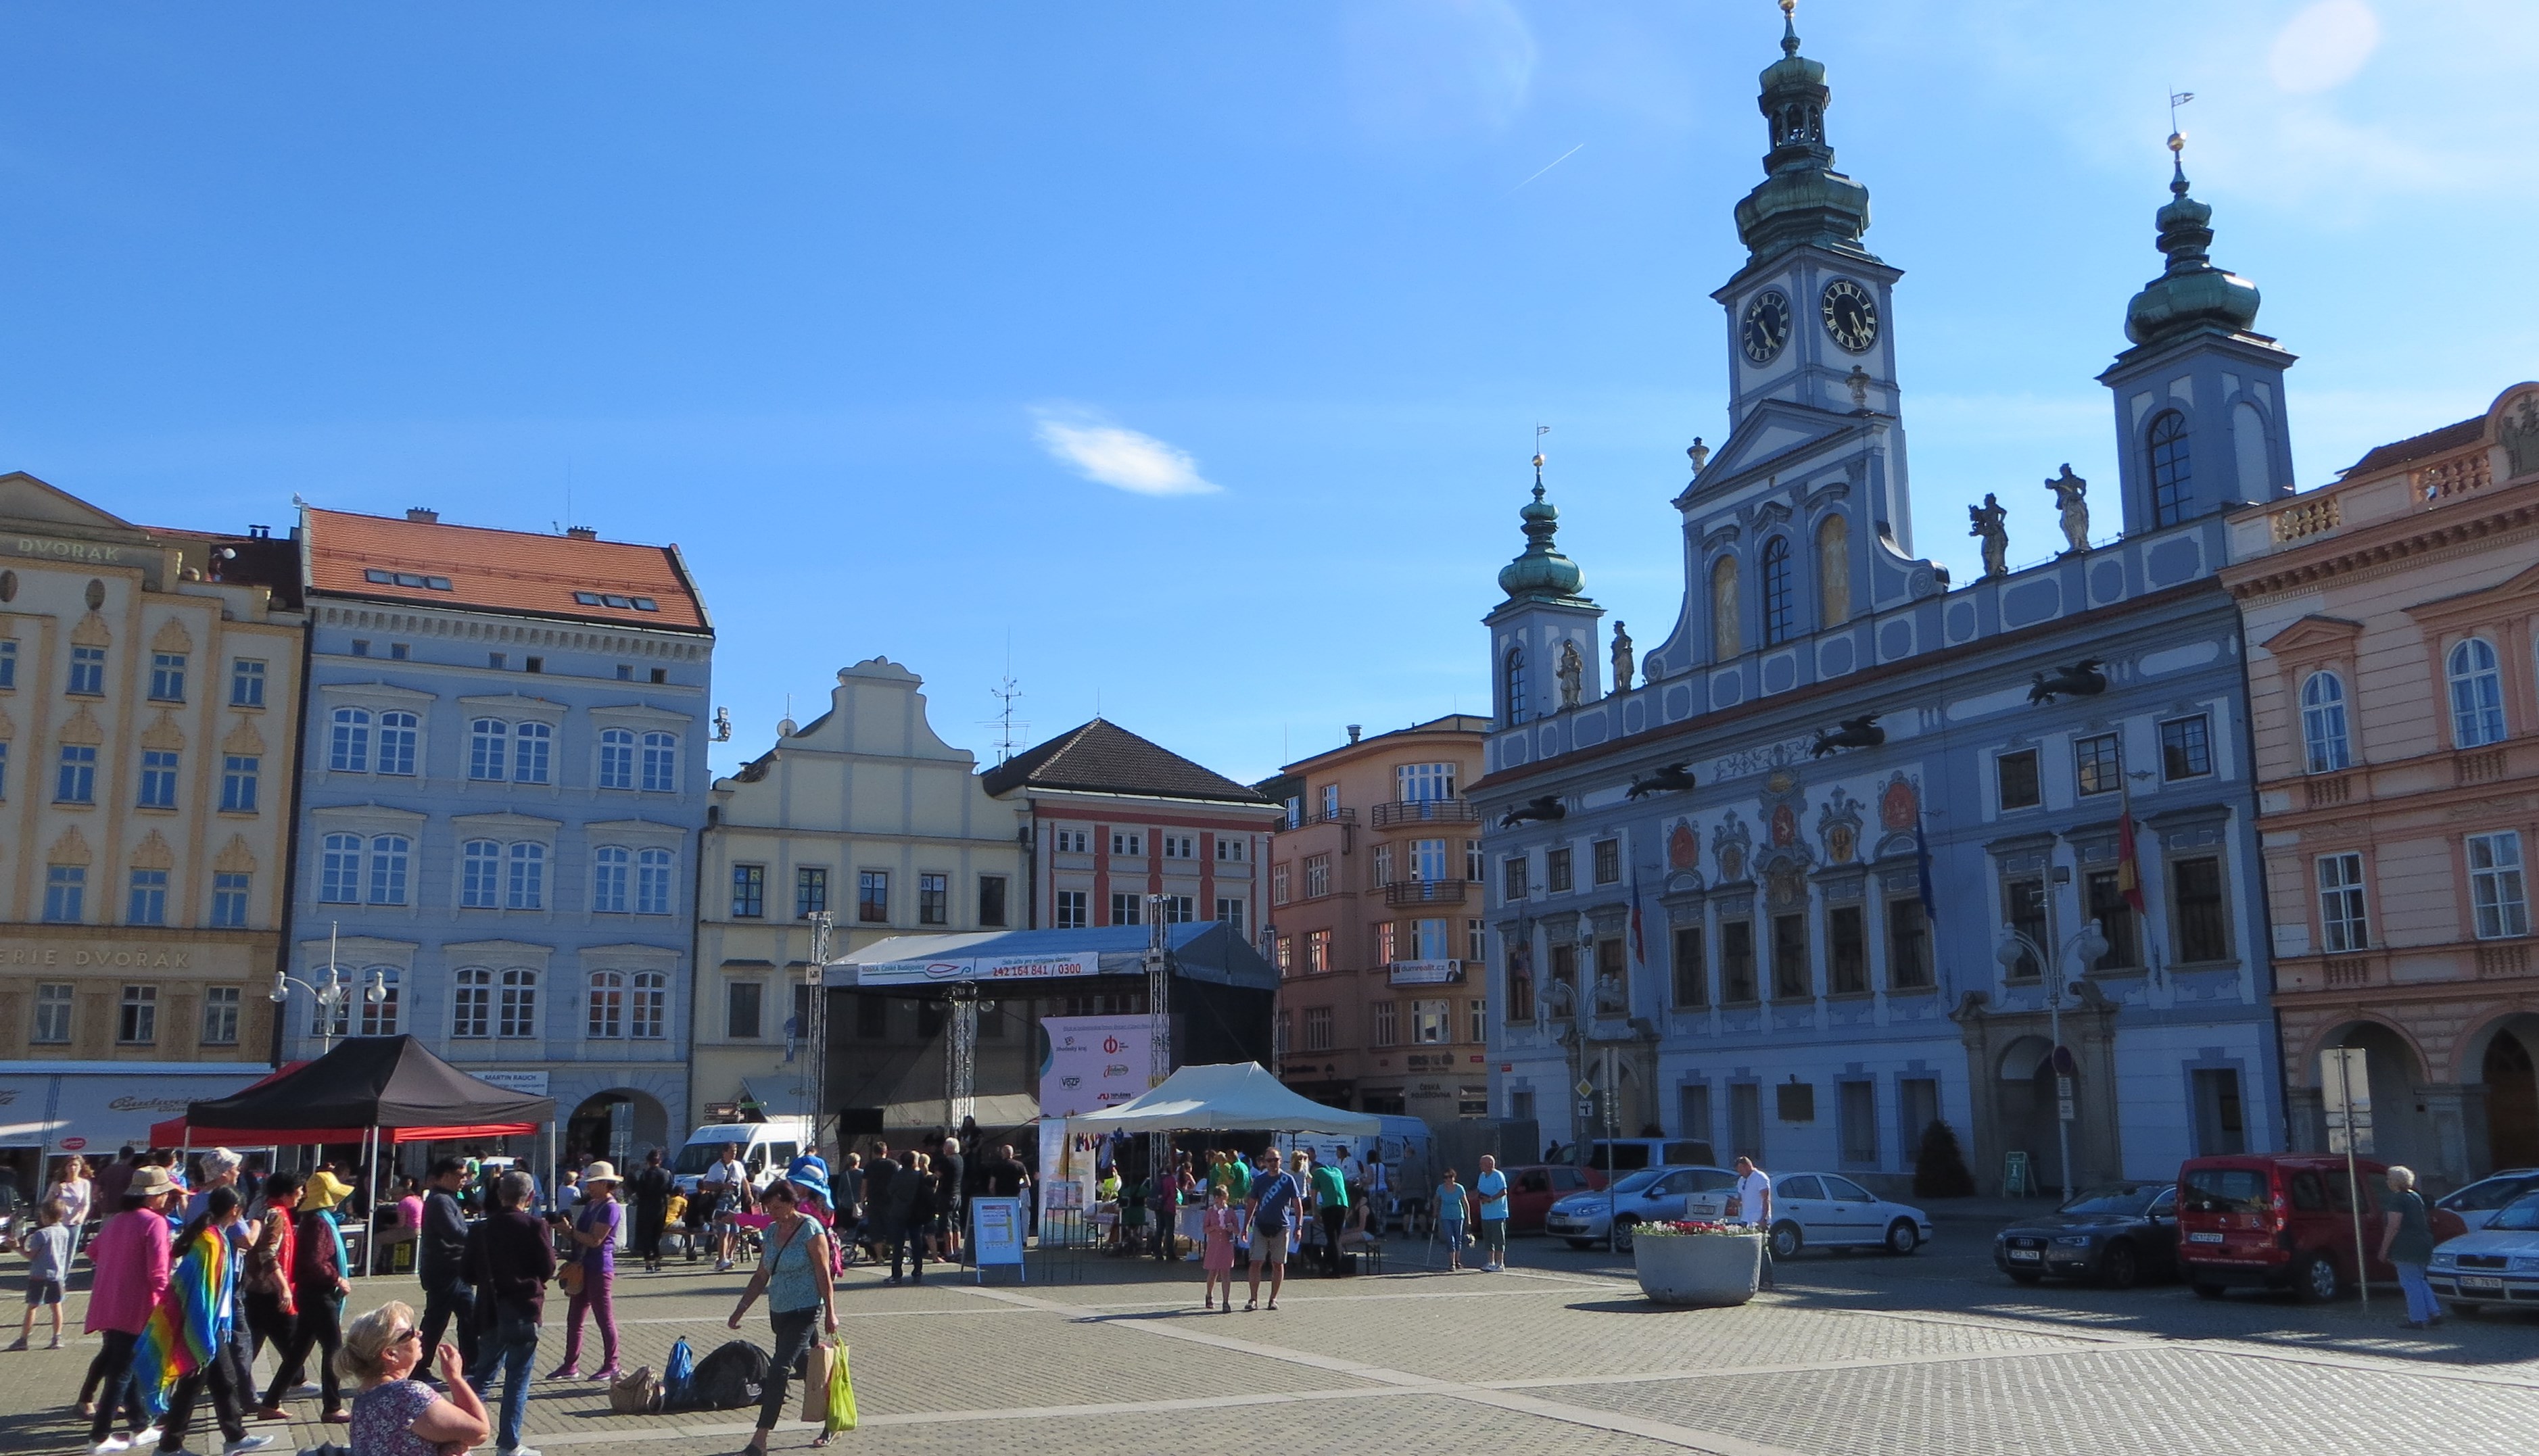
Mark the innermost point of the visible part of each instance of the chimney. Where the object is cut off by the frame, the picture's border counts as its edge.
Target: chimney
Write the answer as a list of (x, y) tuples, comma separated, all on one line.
[(1354, 732), (582, 533), (423, 514)]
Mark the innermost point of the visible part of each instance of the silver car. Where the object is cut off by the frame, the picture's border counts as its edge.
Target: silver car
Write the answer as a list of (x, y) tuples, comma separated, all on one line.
[(2498, 1265), (1828, 1210), (2484, 1199)]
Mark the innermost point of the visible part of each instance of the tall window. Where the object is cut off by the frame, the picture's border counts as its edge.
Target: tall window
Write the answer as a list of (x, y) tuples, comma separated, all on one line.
[(748, 891), (811, 891), (136, 1022), (527, 886), (1424, 783), (1908, 946), (1520, 983), (1737, 963), (648, 1006), (149, 899), (1318, 1029), (1432, 1023), (391, 855), (2323, 740), (532, 752), (1608, 861), (616, 759), (1556, 869), (1428, 860), (65, 894), (652, 882), (167, 676), (75, 783), (2497, 893), (2477, 695), (2202, 929), (608, 1004), (515, 1007), (1431, 940), (1178, 910), (228, 900), (237, 782), (339, 870), (609, 866), (1072, 912), (8, 662), (2094, 765), (1317, 951), (740, 1009), (472, 1003), (872, 896), (158, 779), (661, 763), (1691, 974), (2343, 924), (52, 1026), (1793, 978), (1847, 950), (1512, 684), (1513, 873), (933, 900), (1384, 1024), (221, 1005), (2186, 747), (379, 1018), (480, 878), (87, 672), (348, 742), (2172, 476), (2115, 916), (1127, 907), (4, 768), (488, 743), (396, 742), (2024, 907), (1727, 634), (1317, 875), (2015, 773), (246, 683), (992, 903), (1780, 598)]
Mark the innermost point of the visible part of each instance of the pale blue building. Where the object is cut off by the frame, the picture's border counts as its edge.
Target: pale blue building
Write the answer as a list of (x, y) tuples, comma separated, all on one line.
[(1789, 988), (502, 782)]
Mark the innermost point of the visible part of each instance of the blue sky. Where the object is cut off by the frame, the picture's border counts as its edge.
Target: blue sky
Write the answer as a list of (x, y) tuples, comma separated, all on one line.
[(1194, 351)]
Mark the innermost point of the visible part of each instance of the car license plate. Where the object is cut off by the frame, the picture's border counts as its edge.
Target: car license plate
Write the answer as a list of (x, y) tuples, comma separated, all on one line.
[(2204, 1238), (2029, 1254), (2480, 1281)]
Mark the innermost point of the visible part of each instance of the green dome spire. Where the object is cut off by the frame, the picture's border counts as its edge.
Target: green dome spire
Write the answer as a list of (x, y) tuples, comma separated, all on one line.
[(1801, 200), (2191, 295), (1540, 571)]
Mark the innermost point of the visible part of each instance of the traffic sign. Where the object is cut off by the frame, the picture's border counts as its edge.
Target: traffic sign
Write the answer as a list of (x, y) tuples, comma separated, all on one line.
[(1585, 1088), (2066, 1109), (1586, 1108), (2063, 1088)]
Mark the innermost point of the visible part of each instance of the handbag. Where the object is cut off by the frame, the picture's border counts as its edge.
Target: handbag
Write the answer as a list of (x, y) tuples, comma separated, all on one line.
[(634, 1394), (816, 1381), (569, 1277), (842, 1397)]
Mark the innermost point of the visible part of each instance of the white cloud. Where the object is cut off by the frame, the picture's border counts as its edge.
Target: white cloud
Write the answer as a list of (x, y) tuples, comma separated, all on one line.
[(2324, 46), (1123, 458)]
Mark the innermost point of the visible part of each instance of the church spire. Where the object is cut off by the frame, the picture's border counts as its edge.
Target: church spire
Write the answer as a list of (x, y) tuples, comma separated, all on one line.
[(2190, 295), (1540, 572), (1801, 200)]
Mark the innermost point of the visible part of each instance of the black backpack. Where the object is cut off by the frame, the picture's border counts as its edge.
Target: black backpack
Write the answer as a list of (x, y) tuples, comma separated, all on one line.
[(732, 1377)]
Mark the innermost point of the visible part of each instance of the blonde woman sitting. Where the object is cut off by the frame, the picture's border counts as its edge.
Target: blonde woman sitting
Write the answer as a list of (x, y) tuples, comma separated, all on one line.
[(395, 1414)]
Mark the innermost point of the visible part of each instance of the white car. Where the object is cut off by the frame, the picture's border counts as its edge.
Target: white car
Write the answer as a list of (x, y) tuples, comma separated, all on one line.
[(2479, 1202), (2496, 1265), (1830, 1211), (1655, 1193)]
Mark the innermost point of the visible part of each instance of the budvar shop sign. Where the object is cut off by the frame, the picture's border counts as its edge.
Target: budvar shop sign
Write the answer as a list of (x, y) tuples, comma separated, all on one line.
[(975, 969)]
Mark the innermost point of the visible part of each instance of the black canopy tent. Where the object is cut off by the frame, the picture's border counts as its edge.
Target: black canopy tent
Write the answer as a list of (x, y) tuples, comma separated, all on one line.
[(375, 1085)]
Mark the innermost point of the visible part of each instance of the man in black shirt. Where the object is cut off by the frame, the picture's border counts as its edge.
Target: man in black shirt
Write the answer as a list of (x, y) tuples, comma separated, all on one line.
[(440, 1254), (511, 1261), (879, 1170)]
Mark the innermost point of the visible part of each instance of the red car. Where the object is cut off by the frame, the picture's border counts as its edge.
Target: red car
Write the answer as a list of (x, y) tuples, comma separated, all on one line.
[(1534, 1187), (2283, 1220)]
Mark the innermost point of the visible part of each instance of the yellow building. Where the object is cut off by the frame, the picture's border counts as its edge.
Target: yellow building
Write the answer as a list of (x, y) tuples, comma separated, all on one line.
[(149, 688)]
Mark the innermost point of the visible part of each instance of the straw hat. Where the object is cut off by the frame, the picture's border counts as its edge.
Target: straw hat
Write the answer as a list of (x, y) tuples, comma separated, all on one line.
[(149, 1182), (601, 1171)]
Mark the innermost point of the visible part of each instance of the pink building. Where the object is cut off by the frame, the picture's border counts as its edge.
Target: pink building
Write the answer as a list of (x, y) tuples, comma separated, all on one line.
[(2393, 674)]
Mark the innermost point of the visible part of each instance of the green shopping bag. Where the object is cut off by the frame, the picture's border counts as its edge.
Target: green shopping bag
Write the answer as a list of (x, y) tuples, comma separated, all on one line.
[(842, 1396)]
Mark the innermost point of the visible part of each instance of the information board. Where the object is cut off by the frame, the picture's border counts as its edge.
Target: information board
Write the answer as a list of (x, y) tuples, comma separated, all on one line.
[(995, 1233)]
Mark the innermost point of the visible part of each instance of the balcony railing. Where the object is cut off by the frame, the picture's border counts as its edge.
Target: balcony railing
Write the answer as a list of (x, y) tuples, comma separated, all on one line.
[(1427, 811), (1426, 892), (1311, 818)]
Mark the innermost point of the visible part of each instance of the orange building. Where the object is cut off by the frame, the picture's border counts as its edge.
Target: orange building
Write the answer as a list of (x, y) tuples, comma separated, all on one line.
[(1375, 908)]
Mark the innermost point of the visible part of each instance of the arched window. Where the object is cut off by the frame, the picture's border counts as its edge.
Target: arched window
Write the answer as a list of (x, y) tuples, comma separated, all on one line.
[(1727, 633), (339, 870), (1513, 681), (616, 759), (2323, 723), (396, 742), (2172, 478), (391, 854), (1833, 570), (515, 1007), (528, 889), (2477, 695), (608, 865), (471, 1004), (532, 745), (648, 1006), (480, 880), (608, 1004), (487, 745), (652, 882), (661, 763), (349, 743), (1780, 600)]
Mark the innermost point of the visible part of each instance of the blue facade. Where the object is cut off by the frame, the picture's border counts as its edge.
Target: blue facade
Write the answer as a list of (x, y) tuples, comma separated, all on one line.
[(500, 812), (1786, 988)]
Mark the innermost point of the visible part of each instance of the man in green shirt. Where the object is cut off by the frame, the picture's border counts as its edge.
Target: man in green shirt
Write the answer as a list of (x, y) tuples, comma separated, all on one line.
[(1331, 1203)]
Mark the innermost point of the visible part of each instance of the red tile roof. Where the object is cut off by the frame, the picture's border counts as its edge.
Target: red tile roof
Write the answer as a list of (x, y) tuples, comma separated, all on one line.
[(500, 570), (1104, 758), (2417, 447)]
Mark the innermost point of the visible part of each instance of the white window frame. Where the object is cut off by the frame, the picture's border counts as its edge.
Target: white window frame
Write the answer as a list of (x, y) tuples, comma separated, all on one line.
[(2499, 891), (2344, 918), (2327, 741), (2473, 686)]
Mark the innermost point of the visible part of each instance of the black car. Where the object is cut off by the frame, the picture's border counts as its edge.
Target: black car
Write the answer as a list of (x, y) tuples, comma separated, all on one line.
[(2116, 1235)]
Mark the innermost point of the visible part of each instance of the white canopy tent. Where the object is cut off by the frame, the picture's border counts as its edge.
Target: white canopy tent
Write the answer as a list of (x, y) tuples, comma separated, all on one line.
[(1229, 1097)]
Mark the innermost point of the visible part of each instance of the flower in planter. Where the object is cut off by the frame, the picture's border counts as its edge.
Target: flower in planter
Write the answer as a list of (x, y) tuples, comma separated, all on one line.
[(1683, 1228)]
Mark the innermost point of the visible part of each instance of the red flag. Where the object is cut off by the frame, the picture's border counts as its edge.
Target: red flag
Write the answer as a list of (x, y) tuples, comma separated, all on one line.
[(2128, 877)]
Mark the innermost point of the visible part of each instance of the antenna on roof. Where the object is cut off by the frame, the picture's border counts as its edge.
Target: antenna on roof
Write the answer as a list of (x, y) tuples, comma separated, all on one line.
[(1005, 692)]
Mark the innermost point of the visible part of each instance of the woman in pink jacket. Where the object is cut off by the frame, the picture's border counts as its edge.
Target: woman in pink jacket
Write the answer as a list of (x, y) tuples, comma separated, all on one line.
[(130, 1257)]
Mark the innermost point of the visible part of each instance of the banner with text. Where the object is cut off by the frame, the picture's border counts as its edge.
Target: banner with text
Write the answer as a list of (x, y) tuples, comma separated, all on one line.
[(1088, 1062), (977, 968)]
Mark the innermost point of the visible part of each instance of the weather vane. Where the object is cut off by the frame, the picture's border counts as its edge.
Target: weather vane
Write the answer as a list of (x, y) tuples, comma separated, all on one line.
[(1540, 431), (2177, 134)]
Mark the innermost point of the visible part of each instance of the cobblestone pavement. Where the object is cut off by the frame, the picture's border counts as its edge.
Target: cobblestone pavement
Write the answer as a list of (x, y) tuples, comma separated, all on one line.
[(1850, 1356)]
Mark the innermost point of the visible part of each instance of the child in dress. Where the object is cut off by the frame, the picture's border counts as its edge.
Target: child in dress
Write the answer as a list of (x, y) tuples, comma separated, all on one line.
[(1450, 1220), (1219, 1227)]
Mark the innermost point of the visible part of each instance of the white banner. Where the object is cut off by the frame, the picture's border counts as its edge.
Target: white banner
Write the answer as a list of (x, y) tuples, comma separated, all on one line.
[(1093, 1062), (1426, 972), (977, 968)]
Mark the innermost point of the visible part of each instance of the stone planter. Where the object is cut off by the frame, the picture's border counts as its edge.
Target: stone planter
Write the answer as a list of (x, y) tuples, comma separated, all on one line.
[(1704, 1269)]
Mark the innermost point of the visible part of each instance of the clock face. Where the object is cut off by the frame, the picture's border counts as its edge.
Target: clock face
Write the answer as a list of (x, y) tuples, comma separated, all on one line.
[(1766, 327), (1850, 315)]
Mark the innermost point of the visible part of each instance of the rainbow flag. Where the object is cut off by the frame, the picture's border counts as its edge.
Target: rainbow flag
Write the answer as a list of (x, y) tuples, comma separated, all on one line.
[(185, 1328)]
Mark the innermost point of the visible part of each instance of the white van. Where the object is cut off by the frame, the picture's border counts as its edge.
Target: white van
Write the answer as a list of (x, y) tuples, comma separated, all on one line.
[(766, 1149)]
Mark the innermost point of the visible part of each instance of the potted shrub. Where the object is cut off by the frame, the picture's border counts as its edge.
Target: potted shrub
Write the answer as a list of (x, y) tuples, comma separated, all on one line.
[(1698, 1263)]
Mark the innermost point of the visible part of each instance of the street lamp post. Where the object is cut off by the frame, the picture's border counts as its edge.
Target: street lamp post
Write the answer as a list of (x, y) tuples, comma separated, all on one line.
[(333, 995), (2091, 942)]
